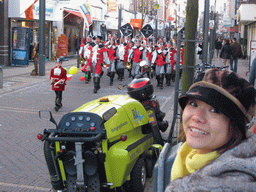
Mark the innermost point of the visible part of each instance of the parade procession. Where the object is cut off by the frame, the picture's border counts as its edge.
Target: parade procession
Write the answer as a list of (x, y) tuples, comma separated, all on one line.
[(138, 55)]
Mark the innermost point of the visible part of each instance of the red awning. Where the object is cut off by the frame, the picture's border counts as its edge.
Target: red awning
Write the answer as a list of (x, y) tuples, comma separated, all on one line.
[(76, 13)]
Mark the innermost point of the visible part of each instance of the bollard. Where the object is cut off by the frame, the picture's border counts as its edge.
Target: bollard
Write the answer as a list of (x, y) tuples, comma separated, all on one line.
[(1, 77)]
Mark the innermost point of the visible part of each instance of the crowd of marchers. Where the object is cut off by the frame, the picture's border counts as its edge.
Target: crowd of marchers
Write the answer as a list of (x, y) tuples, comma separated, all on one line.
[(126, 53)]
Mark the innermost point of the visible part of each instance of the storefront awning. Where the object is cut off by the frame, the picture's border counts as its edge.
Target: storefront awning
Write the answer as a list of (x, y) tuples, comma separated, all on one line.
[(75, 13)]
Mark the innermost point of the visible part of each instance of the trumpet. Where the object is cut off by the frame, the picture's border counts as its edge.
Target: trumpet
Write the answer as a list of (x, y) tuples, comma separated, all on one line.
[(82, 60), (128, 65), (104, 65)]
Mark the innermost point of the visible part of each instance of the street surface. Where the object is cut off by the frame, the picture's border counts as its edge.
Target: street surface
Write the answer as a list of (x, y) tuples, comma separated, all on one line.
[(22, 162)]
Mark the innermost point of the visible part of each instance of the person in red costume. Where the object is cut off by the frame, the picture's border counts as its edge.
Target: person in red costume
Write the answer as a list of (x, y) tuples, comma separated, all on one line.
[(112, 49), (58, 77), (159, 60), (171, 60), (99, 55), (149, 56), (136, 56), (122, 55), (87, 68)]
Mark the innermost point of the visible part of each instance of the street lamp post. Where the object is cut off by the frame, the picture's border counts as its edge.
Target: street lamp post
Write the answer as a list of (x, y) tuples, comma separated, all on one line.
[(41, 37), (206, 25), (156, 13)]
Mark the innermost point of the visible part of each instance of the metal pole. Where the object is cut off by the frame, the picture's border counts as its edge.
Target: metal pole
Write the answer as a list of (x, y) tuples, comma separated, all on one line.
[(156, 24), (41, 37), (1, 78), (119, 21), (206, 26), (212, 48)]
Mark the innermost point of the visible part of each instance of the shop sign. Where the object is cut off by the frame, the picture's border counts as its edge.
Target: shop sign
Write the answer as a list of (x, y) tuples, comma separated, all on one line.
[(62, 48), (112, 6)]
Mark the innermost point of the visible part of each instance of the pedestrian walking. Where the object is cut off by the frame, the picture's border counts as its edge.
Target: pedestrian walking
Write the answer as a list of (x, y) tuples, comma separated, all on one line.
[(217, 154), (226, 52), (35, 56), (236, 54), (200, 50), (218, 46), (58, 77), (103, 30)]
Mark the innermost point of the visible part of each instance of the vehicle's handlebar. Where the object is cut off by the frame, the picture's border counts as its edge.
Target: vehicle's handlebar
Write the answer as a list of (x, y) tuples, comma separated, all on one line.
[(96, 138)]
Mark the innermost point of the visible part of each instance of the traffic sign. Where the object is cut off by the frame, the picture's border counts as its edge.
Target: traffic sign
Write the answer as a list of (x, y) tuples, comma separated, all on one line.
[(147, 30), (126, 29)]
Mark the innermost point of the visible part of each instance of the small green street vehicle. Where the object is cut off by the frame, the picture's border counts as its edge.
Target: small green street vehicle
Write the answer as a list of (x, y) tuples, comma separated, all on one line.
[(109, 144)]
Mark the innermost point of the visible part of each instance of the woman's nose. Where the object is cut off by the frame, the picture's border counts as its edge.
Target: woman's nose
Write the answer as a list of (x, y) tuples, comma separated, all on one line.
[(199, 115)]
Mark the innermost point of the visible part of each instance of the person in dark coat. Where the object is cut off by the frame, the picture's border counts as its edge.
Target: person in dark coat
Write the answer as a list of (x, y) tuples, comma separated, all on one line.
[(226, 52), (218, 46), (200, 50), (236, 54)]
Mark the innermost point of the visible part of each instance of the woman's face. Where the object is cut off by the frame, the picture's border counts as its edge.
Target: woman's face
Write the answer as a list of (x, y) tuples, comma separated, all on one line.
[(205, 128)]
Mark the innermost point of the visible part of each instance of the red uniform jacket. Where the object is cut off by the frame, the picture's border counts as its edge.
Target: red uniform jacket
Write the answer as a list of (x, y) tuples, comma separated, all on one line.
[(112, 52), (100, 59), (160, 61), (126, 53), (58, 73), (173, 61), (137, 54)]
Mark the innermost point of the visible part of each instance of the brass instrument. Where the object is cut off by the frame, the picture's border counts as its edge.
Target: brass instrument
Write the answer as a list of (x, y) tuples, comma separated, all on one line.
[(104, 65), (128, 65), (81, 61)]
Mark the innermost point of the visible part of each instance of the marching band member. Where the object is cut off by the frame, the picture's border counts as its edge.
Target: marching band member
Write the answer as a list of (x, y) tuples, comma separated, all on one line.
[(81, 50), (99, 56), (83, 47), (108, 40), (130, 45), (112, 48), (171, 60), (58, 77), (136, 56), (149, 56), (122, 54), (158, 60)]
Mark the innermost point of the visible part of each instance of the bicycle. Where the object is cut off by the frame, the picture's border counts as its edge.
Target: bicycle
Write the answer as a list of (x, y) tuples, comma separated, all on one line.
[(199, 72)]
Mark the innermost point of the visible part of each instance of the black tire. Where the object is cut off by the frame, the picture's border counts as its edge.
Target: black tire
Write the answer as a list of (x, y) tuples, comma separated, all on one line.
[(94, 183), (157, 136), (56, 181), (150, 167), (138, 176)]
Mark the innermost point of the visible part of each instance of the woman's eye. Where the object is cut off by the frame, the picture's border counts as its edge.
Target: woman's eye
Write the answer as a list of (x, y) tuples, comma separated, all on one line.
[(214, 110), (192, 103)]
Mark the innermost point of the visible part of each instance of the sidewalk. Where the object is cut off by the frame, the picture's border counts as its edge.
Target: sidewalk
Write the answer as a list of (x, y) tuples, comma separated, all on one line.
[(17, 77), (12, 71), (242, 68)]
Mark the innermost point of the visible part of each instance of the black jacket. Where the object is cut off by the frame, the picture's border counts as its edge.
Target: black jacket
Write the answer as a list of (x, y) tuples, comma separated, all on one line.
[(226, 51)]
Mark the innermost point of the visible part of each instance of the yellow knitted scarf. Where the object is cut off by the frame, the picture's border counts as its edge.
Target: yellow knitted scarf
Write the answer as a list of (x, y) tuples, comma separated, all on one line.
[(188, 160)]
